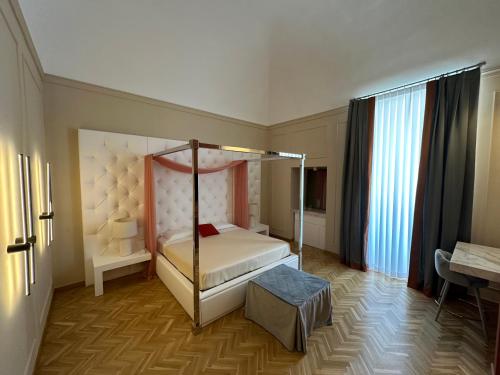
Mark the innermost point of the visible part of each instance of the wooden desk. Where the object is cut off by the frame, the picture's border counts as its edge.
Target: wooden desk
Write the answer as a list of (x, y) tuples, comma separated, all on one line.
[(483, 262)]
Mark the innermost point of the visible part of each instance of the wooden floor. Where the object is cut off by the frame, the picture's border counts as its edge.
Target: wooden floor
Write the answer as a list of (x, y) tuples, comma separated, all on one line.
[(380, 327)]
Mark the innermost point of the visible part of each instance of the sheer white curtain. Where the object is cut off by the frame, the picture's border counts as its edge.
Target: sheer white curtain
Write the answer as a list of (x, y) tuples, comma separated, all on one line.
[(397, 137)]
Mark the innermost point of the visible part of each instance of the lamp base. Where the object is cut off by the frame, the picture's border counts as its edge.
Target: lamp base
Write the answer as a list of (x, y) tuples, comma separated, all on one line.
[(125, 247)]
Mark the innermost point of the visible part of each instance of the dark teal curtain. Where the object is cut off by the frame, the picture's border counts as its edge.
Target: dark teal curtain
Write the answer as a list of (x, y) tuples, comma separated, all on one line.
[(446, 212), (356, 183)]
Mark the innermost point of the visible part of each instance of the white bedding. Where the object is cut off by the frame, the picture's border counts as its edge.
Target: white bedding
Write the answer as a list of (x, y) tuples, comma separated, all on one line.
[(223, 257)]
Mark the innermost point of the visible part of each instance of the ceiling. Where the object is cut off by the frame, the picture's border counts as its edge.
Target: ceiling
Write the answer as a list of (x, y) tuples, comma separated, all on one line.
[(264, 61)]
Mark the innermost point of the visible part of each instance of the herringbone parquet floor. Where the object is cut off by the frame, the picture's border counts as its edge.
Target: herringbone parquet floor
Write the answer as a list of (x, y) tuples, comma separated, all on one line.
[(380, 327)]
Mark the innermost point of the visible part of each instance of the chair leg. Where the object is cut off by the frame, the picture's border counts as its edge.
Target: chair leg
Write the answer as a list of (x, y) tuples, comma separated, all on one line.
[(444, 292), (481, 312), (440, 294)]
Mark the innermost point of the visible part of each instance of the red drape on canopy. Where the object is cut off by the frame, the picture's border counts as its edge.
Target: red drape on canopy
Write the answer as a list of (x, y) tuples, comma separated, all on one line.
[(240, 194)]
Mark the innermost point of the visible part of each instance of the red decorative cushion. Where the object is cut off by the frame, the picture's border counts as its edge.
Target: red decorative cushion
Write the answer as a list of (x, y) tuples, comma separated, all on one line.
[(207, 230)]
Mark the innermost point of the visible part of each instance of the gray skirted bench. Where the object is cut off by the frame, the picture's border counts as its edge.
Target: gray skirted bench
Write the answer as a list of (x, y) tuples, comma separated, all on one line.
[(289, 304)]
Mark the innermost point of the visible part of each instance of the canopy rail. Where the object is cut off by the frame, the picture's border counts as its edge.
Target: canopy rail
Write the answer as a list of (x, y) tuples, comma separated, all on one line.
[(173, 150), (265, 155), (194, 145)]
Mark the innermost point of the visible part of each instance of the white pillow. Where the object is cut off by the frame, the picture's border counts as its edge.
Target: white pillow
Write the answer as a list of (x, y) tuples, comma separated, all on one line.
[(223, 226), (175, 235)]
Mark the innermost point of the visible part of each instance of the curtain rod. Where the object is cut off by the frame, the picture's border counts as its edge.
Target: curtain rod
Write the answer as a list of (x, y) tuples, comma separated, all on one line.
[(423, 80)]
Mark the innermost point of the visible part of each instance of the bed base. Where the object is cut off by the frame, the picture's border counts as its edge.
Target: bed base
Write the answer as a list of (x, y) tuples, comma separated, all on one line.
[(217, 301)]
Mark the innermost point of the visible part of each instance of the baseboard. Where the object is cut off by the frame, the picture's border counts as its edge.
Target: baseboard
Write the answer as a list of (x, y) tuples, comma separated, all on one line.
[(37, 343), (335, 253), (280, 233), (30, 365), (78, 284), (46, 307)]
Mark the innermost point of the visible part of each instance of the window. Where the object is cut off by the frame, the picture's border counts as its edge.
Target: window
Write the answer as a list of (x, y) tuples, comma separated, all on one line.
[(397, 139)]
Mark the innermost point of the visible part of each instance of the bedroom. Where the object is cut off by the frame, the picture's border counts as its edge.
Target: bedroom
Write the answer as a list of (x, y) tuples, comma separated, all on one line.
[(90, 89)]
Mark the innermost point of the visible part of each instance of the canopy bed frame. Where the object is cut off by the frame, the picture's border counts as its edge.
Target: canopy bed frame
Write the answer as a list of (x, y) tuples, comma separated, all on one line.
[(223, 298)]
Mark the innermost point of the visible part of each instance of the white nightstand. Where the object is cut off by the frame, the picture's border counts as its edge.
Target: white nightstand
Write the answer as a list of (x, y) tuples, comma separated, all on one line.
[(260, 228), (108, 262)]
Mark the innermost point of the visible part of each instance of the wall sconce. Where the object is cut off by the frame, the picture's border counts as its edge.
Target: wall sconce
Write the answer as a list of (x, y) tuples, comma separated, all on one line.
[(27, 242), (49, 214), (24, 243), (29, 219)]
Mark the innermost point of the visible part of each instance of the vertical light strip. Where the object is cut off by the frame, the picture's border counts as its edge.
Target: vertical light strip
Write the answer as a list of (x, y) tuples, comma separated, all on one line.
[(29, 211), (48, 179), (20, 166), (22, 187)]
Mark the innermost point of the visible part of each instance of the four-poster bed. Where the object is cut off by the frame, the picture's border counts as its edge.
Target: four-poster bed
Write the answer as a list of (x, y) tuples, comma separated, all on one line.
[(251, 253)]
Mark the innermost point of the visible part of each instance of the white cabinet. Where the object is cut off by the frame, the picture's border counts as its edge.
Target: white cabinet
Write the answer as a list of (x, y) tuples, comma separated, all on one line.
[(314, 229)]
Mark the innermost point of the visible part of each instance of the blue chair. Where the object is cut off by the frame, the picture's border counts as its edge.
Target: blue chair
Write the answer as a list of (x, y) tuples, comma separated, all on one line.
[(450, 277)]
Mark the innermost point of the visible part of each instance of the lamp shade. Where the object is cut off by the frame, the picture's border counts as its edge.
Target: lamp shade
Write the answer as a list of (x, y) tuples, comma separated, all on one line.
[(125, 228)]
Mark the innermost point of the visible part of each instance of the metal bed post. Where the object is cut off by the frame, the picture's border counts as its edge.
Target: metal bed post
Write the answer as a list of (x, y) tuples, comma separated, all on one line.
[(301, 209), (196, 239)]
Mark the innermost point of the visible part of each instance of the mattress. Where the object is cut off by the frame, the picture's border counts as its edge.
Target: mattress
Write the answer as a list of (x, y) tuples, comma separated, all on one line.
[(225, 256)]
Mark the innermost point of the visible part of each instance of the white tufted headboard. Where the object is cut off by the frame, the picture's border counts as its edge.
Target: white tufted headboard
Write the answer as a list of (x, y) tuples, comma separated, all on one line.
[(112, 186)]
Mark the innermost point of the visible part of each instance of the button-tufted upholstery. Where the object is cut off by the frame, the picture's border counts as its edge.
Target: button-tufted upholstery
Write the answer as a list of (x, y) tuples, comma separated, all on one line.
[(174, 192), (112, 186)]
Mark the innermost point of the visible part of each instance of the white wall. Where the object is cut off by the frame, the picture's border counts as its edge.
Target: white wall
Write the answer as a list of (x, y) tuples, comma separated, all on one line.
[(486, 210), (321, 137), (22, 318)]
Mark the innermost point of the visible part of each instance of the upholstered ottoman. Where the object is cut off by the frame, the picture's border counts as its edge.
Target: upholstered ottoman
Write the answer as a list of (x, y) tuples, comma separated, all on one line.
[(289, 304)]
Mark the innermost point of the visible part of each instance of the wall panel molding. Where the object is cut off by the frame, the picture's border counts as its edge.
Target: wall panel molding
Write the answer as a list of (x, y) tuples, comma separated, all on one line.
[(488, 92), (16, 8), (321, 137)]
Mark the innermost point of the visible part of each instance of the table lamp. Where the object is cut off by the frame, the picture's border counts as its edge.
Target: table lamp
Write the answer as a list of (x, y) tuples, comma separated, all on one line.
[(125, 229)]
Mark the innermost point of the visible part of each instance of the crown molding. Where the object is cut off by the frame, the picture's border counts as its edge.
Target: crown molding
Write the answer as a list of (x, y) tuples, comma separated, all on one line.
[(315, 116), (494, 71), (67, 82)]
